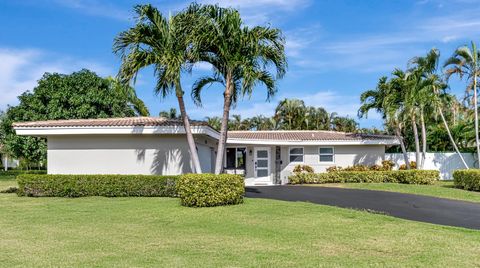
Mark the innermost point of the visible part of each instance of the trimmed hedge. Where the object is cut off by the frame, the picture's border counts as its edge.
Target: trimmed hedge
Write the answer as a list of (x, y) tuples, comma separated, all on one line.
[(208, 190), (468, 179), (15, 172), (398, 176), (96, 185)]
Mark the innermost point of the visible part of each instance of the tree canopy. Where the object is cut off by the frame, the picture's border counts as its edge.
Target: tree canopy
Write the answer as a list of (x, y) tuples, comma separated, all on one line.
[(79, 95)]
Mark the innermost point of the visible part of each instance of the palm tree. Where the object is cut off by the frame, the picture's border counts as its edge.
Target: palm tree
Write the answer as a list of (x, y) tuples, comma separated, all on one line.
[(433, 95), (170, 114), (215, 122), (316, 118), (241, 58), (466, 62), (130, 95), (157, 41), (404, 98), (387, 101), (291, 113)]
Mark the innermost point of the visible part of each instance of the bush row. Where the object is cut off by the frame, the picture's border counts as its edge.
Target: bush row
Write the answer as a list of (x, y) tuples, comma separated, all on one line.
[(95, 185), (16, 172), (197, 190), (398, 176), (467, 179)]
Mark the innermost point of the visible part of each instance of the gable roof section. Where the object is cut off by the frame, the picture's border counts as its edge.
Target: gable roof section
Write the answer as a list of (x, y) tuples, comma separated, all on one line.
[(307, 137), (124, 125), (108, 122)]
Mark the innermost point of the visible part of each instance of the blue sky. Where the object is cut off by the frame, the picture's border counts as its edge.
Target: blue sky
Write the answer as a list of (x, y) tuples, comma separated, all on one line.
[(336, 49)]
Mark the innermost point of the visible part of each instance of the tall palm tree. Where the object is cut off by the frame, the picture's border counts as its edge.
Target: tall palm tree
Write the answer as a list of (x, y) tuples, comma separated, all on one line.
[(466, 62), (159, 42), (403, 97), (432, 95), (241, 58), (387, 101)]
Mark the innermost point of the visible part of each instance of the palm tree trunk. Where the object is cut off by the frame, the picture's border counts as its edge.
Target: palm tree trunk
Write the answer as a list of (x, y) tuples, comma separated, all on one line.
[(475, 103), (224, 128), (424, 139), (417, 142), (402, 145), (188, 131), (451, 138)]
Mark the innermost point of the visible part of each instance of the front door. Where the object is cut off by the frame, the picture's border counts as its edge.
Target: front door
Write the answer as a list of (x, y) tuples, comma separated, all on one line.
[(262, 165)]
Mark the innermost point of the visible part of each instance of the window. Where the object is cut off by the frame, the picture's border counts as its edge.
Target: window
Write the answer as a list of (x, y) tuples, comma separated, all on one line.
[(296, 154), (326, 154), (235, 158)]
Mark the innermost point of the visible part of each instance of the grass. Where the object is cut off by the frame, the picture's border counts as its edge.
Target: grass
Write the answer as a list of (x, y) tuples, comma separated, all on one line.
[(7, 181), (443, 189), (139, 232)]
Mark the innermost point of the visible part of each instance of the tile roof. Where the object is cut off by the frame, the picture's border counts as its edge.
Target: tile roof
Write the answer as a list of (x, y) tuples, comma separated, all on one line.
[(109, 122), (304, 135)]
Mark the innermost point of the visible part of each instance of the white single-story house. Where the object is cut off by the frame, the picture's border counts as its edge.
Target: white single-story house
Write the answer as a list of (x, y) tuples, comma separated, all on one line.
[(155, 145)]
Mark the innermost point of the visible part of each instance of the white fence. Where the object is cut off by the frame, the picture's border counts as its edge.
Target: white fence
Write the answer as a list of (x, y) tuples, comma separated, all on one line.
[(8, 162), (446, 163)]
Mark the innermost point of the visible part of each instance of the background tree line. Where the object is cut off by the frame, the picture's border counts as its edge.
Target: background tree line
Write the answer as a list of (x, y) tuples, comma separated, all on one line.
[(290, 114)]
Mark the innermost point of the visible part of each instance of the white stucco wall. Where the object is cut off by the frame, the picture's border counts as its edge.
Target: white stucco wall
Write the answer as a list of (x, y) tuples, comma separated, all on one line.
[(123, 154), (344, 156)]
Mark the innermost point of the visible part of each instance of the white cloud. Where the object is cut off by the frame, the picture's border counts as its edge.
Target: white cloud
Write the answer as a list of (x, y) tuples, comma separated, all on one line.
[(96, 8), (258, 12), (20, 69)]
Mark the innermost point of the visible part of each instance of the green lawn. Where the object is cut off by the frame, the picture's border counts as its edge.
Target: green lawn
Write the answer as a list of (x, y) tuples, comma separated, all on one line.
[(7, 181), (442, 189), (128, 232)]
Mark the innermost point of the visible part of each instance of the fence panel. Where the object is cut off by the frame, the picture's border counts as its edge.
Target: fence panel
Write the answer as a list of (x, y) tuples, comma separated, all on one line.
[(446, 163)]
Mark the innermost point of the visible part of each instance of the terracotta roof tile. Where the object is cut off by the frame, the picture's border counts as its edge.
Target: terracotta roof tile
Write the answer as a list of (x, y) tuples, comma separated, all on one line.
[(304, 135), (109, 122)]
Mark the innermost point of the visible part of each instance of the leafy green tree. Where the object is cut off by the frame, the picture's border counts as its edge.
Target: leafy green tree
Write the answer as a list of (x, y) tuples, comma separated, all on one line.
[(78, 95), (241, 58), (466, 62), (162, 43)]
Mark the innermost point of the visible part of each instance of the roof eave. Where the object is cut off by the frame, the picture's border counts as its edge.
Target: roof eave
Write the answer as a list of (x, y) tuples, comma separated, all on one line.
[(135, 130), (313, 142)]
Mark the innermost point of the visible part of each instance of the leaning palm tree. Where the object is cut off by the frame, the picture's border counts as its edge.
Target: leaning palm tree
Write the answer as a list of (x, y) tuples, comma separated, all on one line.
[(466, 62), (159, 42), (386, 101), (432, 93), (241, 58)]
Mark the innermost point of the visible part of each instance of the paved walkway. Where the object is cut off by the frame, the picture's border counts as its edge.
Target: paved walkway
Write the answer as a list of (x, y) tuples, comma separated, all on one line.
[(406, 206)]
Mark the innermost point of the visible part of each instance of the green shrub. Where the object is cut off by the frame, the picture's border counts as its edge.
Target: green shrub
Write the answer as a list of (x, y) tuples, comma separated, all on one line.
[(398, 176), (208, 190), (303, 169), (95, 185), (468, 179), (413, 165), (386, 166)]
